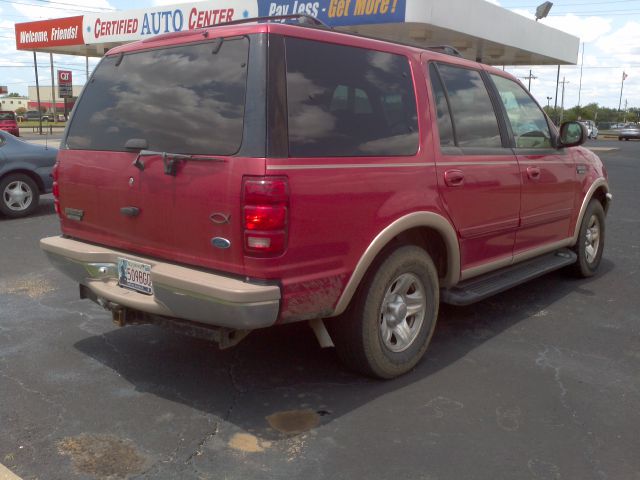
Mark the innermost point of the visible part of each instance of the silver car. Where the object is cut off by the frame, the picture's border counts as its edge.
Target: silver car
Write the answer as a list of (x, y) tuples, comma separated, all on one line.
[(628, 132), (25, 174)]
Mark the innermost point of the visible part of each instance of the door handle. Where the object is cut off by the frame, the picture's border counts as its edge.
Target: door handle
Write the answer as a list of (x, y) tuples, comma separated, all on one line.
[(453, 178), (533, 173), (130, 211)]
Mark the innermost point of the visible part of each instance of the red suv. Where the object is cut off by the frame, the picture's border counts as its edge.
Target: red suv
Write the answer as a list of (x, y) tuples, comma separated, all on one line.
[(9, 123), (237, 177)]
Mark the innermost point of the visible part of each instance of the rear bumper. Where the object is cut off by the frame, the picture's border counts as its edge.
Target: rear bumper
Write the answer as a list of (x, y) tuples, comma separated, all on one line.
[(179, 291)]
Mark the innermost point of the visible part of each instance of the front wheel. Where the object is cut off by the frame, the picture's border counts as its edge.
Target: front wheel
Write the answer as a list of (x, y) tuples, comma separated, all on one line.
[(388, 328), (590, 240), (19, 195)]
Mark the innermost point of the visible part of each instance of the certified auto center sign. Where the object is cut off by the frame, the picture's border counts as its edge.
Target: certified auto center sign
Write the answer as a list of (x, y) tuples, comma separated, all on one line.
[(134, 25)]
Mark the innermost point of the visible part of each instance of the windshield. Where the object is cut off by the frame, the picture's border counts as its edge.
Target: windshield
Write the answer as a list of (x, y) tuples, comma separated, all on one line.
[(7, 116), (186, 99)]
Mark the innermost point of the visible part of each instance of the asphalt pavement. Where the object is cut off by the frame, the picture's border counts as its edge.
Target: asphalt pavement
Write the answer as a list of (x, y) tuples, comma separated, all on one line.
[(540, 382)]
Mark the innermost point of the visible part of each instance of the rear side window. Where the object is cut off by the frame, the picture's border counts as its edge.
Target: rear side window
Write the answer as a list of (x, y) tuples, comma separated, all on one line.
[(474, 118), (187, 99), (445, 127), (346, 101)]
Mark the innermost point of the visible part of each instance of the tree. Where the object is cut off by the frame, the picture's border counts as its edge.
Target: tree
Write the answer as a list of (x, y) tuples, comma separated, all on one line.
[(20, 111), (12, 95)]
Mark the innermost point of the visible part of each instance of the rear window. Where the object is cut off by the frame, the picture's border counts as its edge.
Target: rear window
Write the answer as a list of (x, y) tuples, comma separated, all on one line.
[(186, 99), (346, 101), (7, 116)]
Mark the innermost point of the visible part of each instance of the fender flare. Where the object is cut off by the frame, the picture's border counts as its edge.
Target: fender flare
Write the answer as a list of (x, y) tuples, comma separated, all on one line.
[(598, 183), (412, 220)]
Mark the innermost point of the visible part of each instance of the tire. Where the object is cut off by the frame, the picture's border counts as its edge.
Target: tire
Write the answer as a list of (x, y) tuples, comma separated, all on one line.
[(377, 336), (590, 243), (19, 195)]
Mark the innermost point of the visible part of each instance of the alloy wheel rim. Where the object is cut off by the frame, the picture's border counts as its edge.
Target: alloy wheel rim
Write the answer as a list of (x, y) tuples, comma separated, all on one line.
[(592, 239), (17, 196), (402, 312)]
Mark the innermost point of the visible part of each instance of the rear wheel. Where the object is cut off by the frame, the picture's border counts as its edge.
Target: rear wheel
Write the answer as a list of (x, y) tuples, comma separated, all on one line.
[(387, 329), (19, 195), (590, 240)]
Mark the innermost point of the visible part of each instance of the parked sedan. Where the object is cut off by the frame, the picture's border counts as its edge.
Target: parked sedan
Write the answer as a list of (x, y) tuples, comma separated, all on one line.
[(25, 174), (629, 131), (9, 123)]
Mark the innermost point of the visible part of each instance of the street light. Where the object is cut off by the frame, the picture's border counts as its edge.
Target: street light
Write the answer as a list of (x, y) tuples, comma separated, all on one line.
[(543, 10), (549, 100)]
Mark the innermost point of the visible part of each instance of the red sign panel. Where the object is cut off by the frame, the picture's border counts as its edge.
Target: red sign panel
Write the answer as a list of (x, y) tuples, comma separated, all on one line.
[(49, 33), (64, 77)]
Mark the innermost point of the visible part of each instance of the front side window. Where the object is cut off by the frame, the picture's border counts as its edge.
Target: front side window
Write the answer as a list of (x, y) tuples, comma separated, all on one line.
[(346, 101), (474, 118), (528, 122), (186, 99)]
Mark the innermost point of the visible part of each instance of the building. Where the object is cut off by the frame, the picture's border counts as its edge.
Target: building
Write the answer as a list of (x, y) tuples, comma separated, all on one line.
[(14, 103), (45, 98)]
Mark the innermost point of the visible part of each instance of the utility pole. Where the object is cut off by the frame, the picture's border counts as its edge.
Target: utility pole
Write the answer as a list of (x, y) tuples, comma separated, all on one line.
[(624, 77), (563, 82), (555, 103), (581, 65), (530, 77)]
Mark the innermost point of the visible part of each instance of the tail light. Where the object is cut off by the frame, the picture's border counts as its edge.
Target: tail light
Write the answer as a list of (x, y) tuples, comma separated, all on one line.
[(56, 189), (265, 212)]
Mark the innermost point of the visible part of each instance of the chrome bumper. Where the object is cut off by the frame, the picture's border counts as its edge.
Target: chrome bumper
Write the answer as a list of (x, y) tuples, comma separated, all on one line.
[(179, 292)]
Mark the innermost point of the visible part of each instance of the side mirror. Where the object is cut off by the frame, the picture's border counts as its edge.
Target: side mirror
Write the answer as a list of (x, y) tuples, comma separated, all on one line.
[(572, 134)]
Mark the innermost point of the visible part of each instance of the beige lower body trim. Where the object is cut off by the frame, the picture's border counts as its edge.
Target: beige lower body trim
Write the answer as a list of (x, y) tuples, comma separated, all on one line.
[(6, 474), (512, 260)]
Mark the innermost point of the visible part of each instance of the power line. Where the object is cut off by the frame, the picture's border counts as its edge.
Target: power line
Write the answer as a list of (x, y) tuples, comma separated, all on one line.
[(54, 7)]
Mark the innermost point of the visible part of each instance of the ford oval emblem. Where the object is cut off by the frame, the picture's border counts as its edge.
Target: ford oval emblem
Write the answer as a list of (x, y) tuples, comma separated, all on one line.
[(220, 242)]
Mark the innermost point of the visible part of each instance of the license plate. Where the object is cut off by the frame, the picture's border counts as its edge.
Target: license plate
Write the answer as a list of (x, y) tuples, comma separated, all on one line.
[(135, 276)]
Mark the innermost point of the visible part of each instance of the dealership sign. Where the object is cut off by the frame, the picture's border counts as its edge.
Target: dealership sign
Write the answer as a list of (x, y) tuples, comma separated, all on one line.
[(131, 25)]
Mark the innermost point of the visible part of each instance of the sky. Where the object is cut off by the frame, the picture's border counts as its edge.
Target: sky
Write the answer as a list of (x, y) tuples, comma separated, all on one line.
[(608, 30)]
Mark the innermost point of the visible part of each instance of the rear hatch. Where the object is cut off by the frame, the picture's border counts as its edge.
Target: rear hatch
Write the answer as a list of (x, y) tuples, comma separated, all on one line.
[(154, 156)]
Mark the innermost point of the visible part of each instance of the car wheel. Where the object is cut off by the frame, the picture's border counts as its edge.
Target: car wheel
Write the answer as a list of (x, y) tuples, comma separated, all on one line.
[(388, 327), (590, 240), (19, 195), (619, 139)]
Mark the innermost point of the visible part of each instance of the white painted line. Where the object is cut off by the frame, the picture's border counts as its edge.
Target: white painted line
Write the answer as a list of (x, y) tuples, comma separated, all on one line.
[(602, 149), (6, 474)]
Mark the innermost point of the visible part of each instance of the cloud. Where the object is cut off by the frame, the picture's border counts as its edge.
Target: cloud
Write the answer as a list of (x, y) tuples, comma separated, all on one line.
[(623, 43), (588, 29), (49, 10)]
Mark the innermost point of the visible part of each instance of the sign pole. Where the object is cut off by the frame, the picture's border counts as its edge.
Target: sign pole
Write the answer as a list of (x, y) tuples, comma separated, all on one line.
[(35, 64), (53, 91)]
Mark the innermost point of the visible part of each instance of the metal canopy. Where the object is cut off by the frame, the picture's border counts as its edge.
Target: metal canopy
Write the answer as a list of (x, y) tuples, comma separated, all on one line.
[(478, 29)]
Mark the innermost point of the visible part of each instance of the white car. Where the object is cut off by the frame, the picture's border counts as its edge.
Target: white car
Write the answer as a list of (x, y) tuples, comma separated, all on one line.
[(592, 130)]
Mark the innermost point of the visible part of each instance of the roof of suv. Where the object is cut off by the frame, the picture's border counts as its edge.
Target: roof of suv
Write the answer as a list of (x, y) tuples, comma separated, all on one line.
[(302, 31)]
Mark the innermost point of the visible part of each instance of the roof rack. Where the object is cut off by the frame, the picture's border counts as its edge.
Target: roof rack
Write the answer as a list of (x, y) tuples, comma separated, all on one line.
[(306, 20), (447, 49)]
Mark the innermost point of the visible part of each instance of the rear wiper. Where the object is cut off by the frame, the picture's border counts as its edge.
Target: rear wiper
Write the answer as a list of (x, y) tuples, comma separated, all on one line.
[(170, 160)]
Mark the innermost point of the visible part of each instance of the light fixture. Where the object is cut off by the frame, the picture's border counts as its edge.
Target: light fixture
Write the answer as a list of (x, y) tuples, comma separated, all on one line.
[(543, 10)]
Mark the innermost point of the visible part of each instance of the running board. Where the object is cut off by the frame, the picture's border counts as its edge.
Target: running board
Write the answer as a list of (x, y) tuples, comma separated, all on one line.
[(484, 286)]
